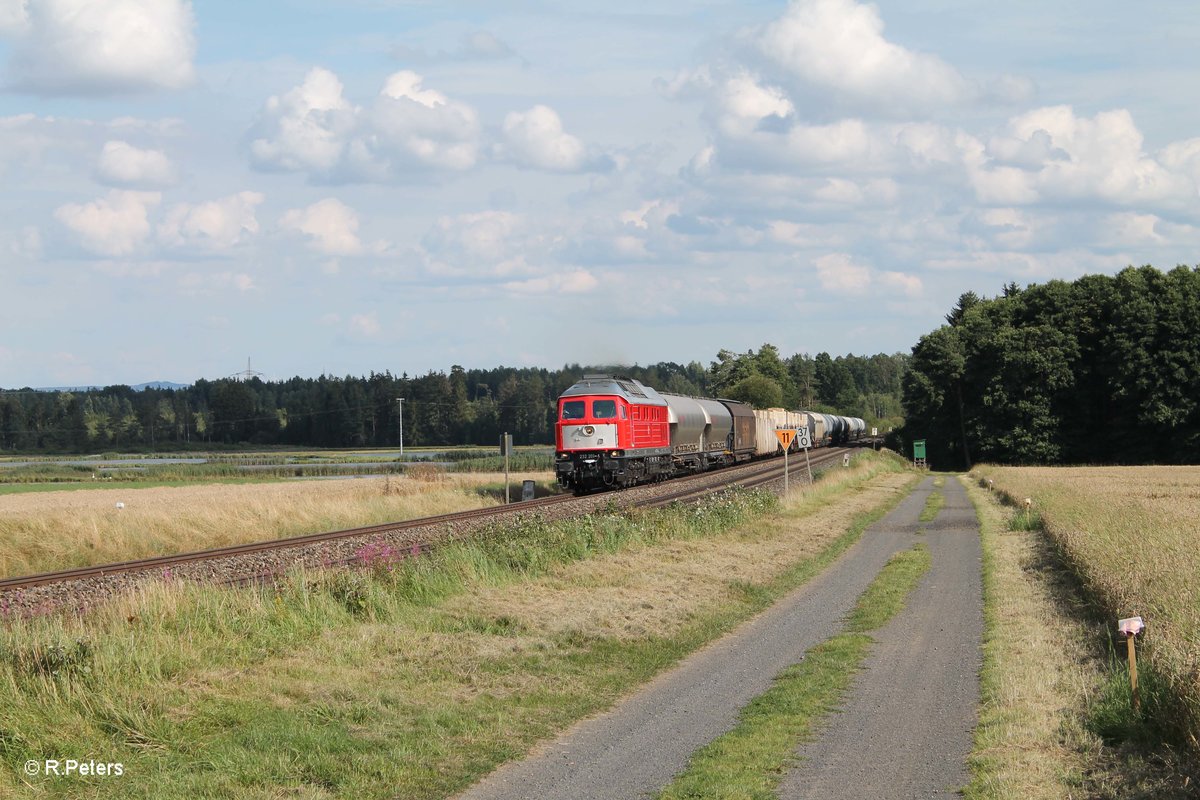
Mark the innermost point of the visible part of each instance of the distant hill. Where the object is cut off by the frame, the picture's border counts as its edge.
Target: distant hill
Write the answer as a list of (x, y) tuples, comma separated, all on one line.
[(160, 385), (137, 388)]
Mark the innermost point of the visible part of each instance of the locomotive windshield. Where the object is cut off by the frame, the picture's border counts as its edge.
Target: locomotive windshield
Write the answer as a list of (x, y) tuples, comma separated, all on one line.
[(573, 409), (604, 409)]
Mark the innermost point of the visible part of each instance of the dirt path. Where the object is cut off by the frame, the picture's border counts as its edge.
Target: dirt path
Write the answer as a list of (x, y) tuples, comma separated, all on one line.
[(906, 730), (636, 748)]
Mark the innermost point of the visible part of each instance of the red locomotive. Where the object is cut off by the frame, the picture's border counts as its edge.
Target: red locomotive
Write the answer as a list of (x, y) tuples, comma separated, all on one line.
[(614, 431), (611, 431)]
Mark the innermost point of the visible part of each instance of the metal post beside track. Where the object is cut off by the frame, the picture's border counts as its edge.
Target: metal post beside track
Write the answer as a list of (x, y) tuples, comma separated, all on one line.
[(505, 447), (785, 437)]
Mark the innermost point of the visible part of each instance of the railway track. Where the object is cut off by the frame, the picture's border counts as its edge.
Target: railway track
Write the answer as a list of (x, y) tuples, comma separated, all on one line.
[(165, 562), (772, 471), (243, 564)]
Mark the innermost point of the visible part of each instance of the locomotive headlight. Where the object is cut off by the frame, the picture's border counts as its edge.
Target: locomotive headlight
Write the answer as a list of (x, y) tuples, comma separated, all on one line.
[(588, 430), (615, 453)]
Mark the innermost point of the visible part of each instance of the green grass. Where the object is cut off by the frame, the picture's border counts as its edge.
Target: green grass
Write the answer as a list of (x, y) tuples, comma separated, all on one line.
[(1110, 711), (933, 504), (23, 488), (750, 760), (517, 462)]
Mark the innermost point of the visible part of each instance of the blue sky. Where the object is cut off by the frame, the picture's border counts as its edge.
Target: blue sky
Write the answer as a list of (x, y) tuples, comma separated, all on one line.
[(363, 186)]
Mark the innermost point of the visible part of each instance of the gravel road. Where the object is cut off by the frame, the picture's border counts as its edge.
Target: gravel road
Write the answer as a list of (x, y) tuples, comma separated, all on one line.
[(906, 730), (636, 748)]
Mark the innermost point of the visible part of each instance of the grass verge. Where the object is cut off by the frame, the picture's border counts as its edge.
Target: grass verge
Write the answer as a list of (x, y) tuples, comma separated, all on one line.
[(750, 760), (414, 679)]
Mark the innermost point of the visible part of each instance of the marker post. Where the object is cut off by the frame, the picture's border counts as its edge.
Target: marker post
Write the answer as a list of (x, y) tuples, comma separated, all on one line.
[(1131, 628), (786, 436), (505, 447), (804, 442)]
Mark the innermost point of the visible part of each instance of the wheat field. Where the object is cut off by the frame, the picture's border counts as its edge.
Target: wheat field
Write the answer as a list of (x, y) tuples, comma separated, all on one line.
[(1133, 536), (47, 531)]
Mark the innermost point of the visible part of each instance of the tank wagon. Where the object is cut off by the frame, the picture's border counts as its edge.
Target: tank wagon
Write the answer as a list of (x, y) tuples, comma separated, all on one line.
[(614, 431)]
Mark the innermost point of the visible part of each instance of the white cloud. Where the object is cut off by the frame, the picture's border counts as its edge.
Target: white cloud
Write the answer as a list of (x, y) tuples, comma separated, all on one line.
[(114, 225), (204, 283), (330, 225), (536, 139), (842, 274), (843, 142), (838, 46), (795, 234), (86, 47), (308, 126), (489, 243), (409, 129), (853, 145), (839, 273), (1132, 230), (14, 17), (123, 165), (744, 98), (1051, 154), (484, 45), (1183, 157), (908, 285), (416, 127), (845, 192), (365, 325), (574, 281), (651, 212), (1009, 228), (215, 225), (25, 244)]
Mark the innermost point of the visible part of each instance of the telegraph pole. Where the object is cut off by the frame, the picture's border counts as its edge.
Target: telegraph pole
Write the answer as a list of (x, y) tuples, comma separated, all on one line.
[(400, 400)]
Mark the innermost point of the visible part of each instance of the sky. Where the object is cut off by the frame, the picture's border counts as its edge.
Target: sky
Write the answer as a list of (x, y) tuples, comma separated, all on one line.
[(352, 187)]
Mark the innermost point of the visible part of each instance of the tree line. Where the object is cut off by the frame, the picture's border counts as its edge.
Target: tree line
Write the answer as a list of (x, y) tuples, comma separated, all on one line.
[(1102, 370), (463, 406)]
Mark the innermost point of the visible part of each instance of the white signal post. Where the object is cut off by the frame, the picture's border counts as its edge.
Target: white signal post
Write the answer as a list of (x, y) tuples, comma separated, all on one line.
[(803, 440)]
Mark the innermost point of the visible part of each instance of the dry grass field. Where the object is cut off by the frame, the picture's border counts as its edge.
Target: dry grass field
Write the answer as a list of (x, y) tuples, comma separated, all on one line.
[(46, 531), (1132, 535)]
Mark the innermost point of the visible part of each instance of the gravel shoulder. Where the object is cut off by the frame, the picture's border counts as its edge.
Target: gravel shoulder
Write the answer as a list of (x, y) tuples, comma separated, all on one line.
[(906, 730), (636, 748)]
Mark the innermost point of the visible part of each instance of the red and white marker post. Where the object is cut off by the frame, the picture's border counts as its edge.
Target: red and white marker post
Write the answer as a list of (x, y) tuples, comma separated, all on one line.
[(1130, 628)]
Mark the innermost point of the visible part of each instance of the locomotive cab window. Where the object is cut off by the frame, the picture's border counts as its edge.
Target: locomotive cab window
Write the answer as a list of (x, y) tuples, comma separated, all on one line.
[(573, 409), (604, 409)]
